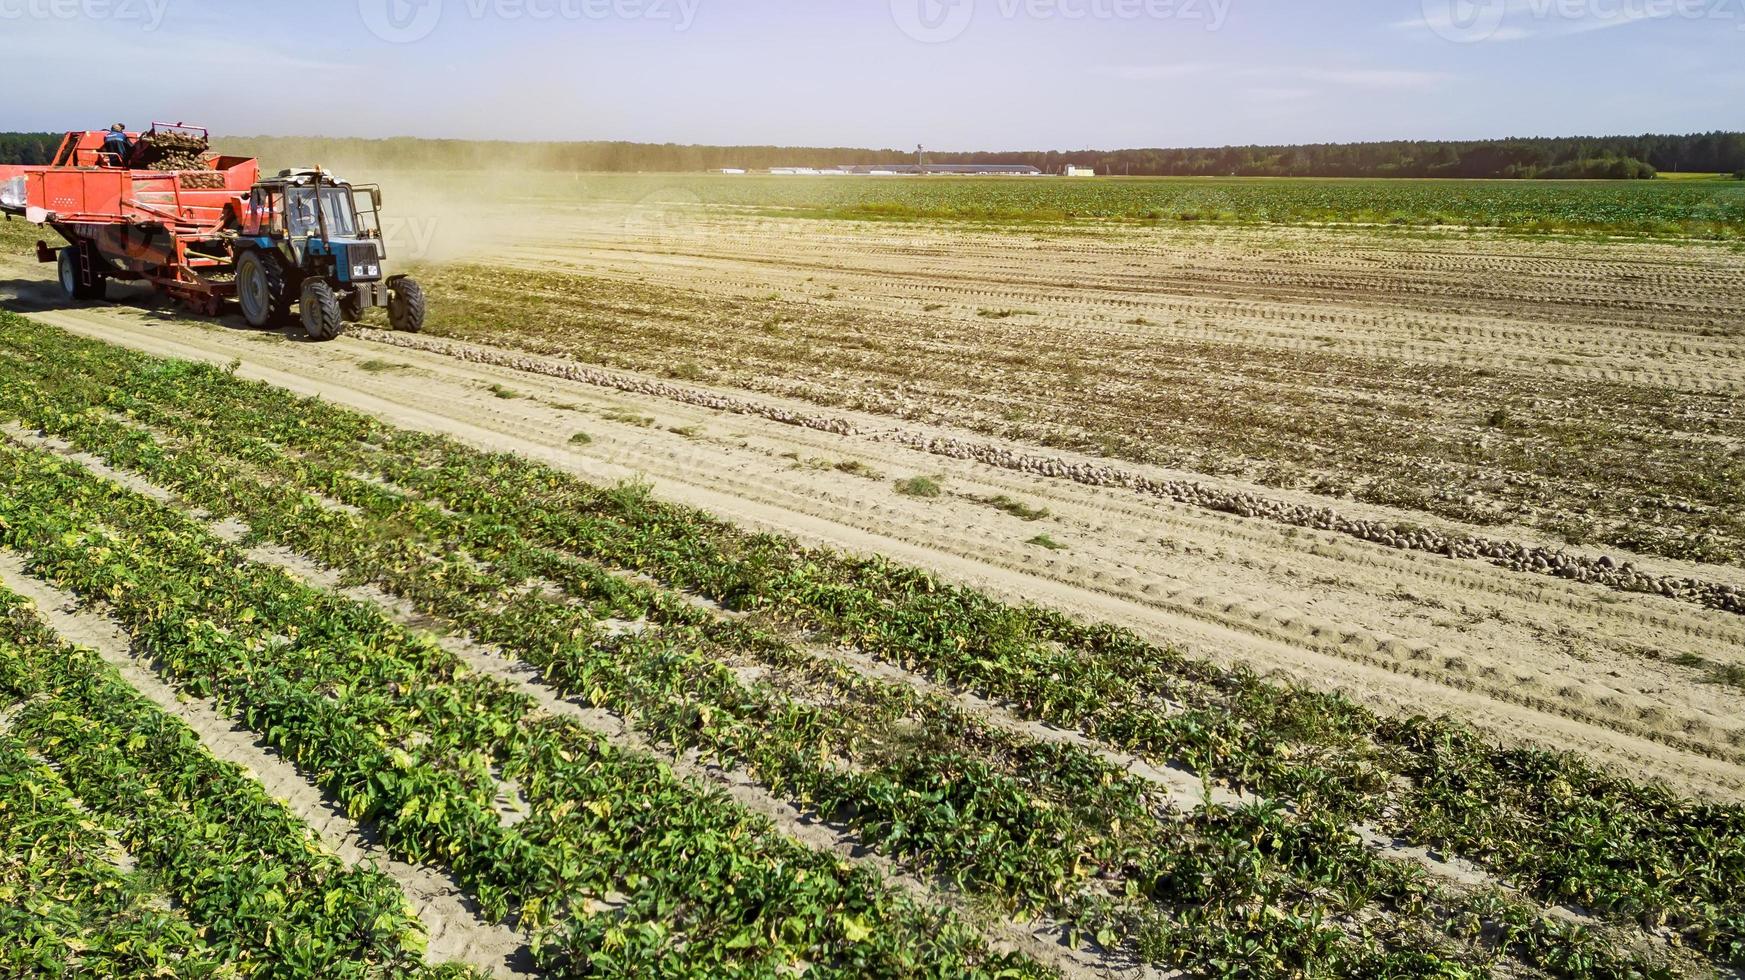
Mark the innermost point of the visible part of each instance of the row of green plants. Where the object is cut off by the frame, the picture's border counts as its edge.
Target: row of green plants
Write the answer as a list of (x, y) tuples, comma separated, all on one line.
[(1708, 209), (66, 906), (1029, 824), (968, 831), (409, 740), (253, 893), (675, 680), (1328, 846), (1551, 823)]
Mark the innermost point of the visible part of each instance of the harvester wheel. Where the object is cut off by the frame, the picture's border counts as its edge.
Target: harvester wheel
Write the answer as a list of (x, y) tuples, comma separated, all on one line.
[(406, 305), (68, 263), (261, 290), (321, 317)]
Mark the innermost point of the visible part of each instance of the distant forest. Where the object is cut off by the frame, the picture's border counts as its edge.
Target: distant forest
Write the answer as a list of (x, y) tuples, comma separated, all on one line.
[(1607, 157)]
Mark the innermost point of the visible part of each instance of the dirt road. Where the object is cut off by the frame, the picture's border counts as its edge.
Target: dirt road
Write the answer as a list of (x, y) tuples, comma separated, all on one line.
[(1525, 656)]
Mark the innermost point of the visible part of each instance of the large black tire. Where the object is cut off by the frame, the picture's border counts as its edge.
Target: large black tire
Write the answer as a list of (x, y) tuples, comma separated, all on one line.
[(321, 317), (406, 305), (71, 282), (262, 289)]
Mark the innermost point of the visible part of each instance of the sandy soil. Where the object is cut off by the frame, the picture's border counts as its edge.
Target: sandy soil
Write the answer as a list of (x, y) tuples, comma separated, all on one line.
[(1528, 657), (1587, 391), (1660, 313)]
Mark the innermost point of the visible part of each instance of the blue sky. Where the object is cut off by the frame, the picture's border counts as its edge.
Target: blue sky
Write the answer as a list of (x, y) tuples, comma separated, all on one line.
[(954, 74)]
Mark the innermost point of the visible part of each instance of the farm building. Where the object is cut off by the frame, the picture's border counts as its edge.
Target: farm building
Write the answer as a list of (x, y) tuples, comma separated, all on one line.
[(960, 169), (912, 169), (1072, 171)]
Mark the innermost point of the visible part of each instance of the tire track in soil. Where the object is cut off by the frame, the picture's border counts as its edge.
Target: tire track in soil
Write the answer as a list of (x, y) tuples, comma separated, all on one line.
[(456, 934)]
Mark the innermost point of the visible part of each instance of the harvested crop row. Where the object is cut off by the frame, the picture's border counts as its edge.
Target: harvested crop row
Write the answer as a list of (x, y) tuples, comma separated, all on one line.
[(1621, 575), (328, 447), (616, 381), (1395, 400), (412, 745)]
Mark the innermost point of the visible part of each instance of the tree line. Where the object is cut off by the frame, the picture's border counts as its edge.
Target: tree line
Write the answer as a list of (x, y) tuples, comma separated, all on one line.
[(29, 149), (1607, 157)]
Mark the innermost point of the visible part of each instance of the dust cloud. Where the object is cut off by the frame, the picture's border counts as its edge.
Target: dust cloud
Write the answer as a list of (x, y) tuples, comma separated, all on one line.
[(445, 202)]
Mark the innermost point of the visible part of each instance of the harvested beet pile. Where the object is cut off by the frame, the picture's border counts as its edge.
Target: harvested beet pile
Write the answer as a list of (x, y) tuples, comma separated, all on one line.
[(202, 179), (180, 151)]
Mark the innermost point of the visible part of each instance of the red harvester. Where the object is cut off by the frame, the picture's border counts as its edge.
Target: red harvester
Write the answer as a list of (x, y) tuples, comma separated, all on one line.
[(204, 228)]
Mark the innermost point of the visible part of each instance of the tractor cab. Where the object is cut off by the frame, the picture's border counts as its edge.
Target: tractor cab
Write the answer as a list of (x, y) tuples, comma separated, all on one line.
[(317, 240), (328, 224)]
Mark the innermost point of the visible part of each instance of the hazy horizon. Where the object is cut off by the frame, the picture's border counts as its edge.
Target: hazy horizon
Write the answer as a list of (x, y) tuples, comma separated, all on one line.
[(946, 150)]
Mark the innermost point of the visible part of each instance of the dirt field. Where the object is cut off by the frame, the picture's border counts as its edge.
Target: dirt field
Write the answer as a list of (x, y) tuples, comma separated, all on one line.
[(1486, 380), (1560, 398)]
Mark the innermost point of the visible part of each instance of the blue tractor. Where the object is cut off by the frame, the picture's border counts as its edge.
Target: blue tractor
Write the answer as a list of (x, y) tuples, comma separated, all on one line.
[(308, 239)]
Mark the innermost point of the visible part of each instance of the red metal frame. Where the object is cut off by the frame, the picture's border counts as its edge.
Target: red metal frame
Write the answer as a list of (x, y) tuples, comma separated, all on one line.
[(145, 224)]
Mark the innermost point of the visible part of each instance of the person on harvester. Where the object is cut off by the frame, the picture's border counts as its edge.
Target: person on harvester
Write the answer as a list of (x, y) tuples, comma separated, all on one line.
[(116, 142)]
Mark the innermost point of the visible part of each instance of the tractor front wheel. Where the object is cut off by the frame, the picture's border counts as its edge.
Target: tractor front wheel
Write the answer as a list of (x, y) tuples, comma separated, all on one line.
[(74, 285), (406, 305), (261, 290), (321, 316)]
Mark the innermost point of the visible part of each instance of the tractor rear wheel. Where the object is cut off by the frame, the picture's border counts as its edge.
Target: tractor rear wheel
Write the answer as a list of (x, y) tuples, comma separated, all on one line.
[(406, 305), (261, 289), (321, 316), (72, 284)]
